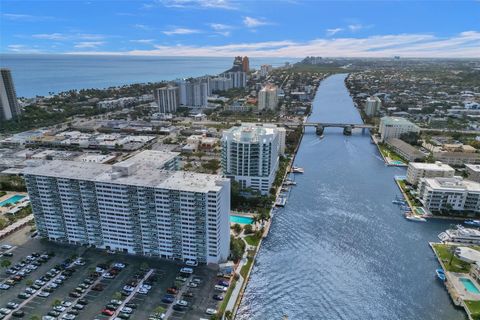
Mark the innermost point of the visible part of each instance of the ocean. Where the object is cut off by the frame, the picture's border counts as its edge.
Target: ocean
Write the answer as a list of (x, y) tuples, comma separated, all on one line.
[(41, 74)]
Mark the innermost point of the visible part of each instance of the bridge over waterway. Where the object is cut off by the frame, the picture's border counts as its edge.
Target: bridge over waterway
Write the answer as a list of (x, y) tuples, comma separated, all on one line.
[(320, 126)]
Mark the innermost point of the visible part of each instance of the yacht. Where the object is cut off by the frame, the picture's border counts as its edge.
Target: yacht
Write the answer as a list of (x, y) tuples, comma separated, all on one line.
[(475, 223), (412, 217), (281, 202), (297, 170), (400, 202), (289, 182), (461, 235)]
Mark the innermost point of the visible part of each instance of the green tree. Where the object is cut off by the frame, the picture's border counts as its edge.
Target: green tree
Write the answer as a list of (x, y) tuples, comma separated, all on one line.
[(35, 317), (56, 302), (237, 228), (159, 309), (29, 282), (248, 229), (5, 263), (228, 315), (237, 248), (117, 296)]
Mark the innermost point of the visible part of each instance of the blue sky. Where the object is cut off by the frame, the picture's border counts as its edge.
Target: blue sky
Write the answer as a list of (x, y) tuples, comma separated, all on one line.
[(288, 28)]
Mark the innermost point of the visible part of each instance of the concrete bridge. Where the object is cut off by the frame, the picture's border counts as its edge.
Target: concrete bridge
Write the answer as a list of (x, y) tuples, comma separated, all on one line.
[(347, 127)]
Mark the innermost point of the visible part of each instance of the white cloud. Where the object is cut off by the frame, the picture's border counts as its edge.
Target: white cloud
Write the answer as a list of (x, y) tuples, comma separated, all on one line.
[(25, 17), (88, 44), (142, 27), (181, 31), (250, 22), (220, 26), (64, 36), (357, 27), (143, 41), (20, 48), (463, 45), (195, 4), (331, 32)]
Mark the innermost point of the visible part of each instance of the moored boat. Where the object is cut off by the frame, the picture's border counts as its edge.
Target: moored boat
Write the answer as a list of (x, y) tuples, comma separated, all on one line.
[(297, 170), (475, 223), (441, 274), (410, 216)]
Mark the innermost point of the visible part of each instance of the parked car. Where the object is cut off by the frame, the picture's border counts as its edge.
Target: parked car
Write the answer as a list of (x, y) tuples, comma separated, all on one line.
[(191, 263), (218, 297), (107, 312), (211, 311), (168, 298), (18, 314)]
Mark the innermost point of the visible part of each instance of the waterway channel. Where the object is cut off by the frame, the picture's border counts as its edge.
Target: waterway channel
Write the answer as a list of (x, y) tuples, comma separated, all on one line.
[(340, 249)]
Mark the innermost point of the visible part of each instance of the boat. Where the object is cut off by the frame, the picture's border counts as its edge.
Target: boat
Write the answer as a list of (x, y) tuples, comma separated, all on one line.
[(461, 235), (401, 202), (297, 170), (289, 182), (410, 216), (441, 274), (281, 202), (475, 223)]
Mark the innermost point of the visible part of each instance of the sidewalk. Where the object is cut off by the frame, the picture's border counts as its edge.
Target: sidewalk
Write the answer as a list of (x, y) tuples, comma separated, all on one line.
[(15, 226)]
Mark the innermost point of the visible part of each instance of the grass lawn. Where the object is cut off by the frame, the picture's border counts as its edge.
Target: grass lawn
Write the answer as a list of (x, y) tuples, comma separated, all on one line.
[(390, 154), (456, 265), (226, 298), (252, 240), (474, 308), (246, 267), (412, 200)]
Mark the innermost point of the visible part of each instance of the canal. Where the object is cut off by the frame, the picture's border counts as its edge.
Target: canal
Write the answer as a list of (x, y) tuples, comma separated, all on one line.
[(340, 249)]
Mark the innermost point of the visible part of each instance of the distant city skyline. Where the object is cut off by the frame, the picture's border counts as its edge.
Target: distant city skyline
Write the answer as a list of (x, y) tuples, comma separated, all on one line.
[(289, 28)]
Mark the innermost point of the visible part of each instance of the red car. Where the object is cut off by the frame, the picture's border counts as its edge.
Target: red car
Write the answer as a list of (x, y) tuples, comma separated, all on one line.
[(172, 290), (107, 312)]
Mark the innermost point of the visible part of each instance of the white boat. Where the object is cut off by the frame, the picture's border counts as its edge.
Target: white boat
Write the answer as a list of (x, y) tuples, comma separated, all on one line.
[(289, 183), (297, 170), (281, 202), (461, 235), (412, 217)]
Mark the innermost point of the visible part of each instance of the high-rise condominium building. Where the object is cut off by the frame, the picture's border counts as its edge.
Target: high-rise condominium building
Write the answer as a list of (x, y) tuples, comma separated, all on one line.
[(220, 84), (268, 98), (239, 78), (167, 99), (250, 156), (9, 107), (194, 93), (141, 205), (265, 69), (372, 106), (245, 64)]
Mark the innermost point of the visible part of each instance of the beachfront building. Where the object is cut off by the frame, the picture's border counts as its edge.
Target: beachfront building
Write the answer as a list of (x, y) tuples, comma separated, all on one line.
[(473, 172), (167, 99), (268, 98), (220, 84), (194, 93), (417, 170), (142, 205), (456, 194), (250, 156), (239, 78), (9, 107), (372, 106), (394, 127)]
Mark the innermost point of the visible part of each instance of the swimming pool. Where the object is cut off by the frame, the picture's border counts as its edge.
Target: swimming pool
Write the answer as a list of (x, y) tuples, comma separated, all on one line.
[(240, 219), (12, 200), (468, 284)]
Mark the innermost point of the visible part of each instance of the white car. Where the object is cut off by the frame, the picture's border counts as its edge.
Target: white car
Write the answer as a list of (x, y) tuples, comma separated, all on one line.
[(126, 310), (6, 247), (66, 303), (117, 302), (43, 294), (68, 316), (128, 288), (48, 318), (4, 286), (146, 286), (193, 285), (191, 263), (5, 311), (220, 288), (79, 262), (119, 265), (40, 282), (182, 303), (142, 290), (186, 270), (108, 275), (59, 308), (211, 311)]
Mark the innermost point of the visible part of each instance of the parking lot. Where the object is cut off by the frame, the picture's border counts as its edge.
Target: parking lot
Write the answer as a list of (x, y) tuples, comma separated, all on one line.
[(70, 286)]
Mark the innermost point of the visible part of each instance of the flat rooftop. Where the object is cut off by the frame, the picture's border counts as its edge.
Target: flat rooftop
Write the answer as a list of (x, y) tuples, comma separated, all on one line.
[(455, 184), (438, 166), (144, 170)]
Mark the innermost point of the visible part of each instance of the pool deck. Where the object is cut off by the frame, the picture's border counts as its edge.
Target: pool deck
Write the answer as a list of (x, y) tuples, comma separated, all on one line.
[(455, 287), (8, 196)]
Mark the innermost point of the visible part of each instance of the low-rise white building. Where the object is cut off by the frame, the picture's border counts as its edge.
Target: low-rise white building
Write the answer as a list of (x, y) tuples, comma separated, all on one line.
[(417, 170), (141, 205), (394, 127), (456, 194), (473, 172)]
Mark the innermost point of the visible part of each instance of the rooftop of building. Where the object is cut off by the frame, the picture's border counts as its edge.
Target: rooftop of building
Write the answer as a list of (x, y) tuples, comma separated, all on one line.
[(396, 121), (249, 133), (144, 169), (473, 167), (455, 183), (438, 166)]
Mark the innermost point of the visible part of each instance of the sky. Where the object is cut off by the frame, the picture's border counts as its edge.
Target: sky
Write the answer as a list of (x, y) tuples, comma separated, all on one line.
[(259, 28)]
